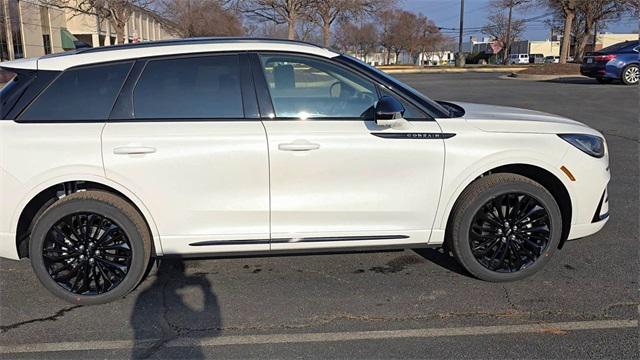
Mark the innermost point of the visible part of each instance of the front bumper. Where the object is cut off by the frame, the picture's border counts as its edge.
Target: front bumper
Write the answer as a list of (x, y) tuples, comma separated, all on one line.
[(600, 218), (589, 195)]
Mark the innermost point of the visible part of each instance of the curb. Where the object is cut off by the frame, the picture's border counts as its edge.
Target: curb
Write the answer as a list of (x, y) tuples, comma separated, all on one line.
[(453, 70)]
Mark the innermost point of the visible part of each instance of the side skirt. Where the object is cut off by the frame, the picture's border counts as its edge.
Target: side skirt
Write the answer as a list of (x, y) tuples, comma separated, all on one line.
[(299, 252)]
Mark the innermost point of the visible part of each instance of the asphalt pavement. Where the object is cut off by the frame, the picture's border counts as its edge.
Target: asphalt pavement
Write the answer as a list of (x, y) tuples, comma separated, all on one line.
[(399, 304)]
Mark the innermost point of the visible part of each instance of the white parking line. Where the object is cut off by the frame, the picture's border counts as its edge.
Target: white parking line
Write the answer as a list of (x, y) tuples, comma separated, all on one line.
[(553, 328)]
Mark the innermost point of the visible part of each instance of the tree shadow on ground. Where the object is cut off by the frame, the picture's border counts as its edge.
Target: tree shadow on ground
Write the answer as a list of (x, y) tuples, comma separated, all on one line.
[(176, 304)]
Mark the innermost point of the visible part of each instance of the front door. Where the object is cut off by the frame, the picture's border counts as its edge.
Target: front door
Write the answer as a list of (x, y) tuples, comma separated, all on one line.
[(338, 179), (186, 139)]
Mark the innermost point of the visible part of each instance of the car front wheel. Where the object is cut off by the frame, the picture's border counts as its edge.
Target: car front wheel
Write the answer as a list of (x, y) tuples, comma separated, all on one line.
[(631, 75), (505, 227), (90, 247)]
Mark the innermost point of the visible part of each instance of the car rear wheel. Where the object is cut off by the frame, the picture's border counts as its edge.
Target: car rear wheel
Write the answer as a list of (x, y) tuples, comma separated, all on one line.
[(631, 75), (90, 247), (505, 227)]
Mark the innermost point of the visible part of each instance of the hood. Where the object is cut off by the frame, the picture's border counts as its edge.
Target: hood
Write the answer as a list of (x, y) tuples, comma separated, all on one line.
[(510, 119)]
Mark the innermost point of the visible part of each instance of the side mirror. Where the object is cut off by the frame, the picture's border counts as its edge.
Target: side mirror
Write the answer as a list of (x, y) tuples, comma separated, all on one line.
[(389, 111)]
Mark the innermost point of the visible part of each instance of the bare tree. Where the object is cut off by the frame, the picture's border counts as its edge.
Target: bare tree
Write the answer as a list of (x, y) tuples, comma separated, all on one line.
[(308, 31), (567, 9), (117, 12), (360, 39), (398, 31), (326, 12), (278, 11), (498, 29), (510, 5), (633, 6), (386, 20), (429, 37), (201, 18), (591, 13)]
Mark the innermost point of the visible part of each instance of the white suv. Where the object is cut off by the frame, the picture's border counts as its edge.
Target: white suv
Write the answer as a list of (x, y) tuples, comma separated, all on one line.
[(112, 156)]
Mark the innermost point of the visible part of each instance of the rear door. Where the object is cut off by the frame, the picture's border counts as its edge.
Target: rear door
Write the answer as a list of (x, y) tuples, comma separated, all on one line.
[(185, 137), (338, 179)]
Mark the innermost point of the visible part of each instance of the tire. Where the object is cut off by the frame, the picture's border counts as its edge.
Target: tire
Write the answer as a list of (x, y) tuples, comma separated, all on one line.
[(630, 75), (99, 237), (535, 249), (602, 80)]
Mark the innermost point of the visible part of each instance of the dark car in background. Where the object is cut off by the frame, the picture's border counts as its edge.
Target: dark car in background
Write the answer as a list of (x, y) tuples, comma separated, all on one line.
[(616, 62)]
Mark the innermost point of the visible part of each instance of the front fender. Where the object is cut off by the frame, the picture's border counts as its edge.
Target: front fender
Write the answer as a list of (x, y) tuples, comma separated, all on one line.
[(453, 192)]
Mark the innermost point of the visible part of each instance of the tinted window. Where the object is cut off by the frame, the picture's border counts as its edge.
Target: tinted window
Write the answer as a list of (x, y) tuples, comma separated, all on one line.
[(80, 94), (189, 88), (302, 87)]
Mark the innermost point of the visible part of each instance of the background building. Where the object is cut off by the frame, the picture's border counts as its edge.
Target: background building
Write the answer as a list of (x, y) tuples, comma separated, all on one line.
[(28, 29)]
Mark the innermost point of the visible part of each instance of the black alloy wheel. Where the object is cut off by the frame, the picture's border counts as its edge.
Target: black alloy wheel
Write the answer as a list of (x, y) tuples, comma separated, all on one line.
[(87, 253), (504, 227), (90, 247), (510, 232)]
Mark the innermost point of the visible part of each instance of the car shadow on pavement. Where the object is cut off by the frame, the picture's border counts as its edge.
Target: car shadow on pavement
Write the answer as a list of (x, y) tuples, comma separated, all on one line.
[(578, 80), (176, 304), (442, 258)]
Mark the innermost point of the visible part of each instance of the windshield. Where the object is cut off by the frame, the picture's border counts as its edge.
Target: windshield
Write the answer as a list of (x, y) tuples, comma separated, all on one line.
[(437, 110)]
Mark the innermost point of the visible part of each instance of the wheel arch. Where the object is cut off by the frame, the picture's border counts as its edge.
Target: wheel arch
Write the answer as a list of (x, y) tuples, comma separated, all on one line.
[(45, 195), (544, 177)]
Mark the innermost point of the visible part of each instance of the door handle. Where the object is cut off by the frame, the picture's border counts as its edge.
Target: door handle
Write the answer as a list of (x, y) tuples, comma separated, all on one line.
[(133, 150), (298, 145)]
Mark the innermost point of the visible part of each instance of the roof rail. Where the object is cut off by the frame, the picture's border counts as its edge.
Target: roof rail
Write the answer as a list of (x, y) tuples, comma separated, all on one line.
[(187, 41)]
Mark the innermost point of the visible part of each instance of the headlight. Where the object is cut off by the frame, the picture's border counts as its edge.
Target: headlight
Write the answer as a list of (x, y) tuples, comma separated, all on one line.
[(592, 145)]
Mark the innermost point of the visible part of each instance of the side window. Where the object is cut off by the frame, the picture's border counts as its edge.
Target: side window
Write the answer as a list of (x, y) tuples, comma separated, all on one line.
[(303, 87), (204, 87), (410, 112), (86, 93)]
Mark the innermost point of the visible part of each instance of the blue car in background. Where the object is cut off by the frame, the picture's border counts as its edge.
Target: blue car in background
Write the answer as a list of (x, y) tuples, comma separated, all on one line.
[(616, 62)]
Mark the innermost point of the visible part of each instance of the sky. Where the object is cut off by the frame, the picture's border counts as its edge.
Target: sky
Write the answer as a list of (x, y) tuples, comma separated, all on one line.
[(446, 14)]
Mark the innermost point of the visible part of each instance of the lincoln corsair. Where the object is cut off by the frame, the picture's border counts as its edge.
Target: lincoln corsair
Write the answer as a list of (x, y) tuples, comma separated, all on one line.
[(111, 157)]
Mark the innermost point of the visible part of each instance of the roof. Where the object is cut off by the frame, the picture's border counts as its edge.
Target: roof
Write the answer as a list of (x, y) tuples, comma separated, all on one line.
[(65, 60)]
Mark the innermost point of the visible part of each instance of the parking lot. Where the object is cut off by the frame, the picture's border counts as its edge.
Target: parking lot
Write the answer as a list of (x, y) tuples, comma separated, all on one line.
[(413, 304)]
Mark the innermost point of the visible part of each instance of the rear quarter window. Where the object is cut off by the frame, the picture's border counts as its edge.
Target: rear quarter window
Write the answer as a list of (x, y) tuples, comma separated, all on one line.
[(13, 85), (80, 94)]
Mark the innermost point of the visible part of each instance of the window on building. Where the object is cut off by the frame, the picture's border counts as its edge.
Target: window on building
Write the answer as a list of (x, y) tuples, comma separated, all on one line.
[(16, 28), (46, 29), (190, 88), (83, 94), (4, 50), (46, 42)]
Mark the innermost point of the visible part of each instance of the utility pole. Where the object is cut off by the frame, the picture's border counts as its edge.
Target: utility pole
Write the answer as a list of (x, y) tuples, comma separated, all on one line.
[(507, 45), (460, 55)]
